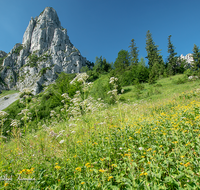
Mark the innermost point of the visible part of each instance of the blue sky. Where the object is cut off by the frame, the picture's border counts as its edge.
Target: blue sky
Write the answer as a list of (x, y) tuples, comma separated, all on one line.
[(104, 27)]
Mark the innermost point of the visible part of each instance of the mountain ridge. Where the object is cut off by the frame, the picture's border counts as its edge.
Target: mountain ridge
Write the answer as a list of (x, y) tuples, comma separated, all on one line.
[(46, 51)]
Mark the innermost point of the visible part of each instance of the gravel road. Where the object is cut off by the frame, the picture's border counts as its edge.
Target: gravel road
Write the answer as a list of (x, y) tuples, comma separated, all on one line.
[(5, 102)]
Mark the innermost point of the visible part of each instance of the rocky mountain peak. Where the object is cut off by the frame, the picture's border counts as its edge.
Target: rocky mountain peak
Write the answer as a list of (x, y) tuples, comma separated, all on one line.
[(49, 17), (40, 31), (45, 51)]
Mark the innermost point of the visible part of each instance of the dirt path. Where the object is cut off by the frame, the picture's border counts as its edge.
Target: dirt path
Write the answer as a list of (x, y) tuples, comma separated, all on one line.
[(7, 100)]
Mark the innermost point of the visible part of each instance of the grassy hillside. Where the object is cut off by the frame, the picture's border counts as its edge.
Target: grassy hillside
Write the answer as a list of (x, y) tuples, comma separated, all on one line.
[(148, 140)]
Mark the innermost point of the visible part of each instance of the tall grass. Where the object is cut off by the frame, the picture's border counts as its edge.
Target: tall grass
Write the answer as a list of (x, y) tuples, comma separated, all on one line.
[(143, 145)]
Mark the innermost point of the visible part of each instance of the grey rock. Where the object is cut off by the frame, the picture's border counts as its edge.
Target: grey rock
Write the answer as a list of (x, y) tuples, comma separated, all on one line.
[(2, 54), (45, 51)]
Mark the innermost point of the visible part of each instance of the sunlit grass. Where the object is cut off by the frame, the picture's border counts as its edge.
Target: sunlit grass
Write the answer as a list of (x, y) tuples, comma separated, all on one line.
[(143, 145)]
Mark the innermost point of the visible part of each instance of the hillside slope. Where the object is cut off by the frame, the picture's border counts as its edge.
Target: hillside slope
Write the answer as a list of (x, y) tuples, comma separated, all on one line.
[(148, 144)]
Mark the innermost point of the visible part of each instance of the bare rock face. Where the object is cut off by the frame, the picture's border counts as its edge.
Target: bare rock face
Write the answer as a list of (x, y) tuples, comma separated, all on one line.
[(2, 54), (45, 51)]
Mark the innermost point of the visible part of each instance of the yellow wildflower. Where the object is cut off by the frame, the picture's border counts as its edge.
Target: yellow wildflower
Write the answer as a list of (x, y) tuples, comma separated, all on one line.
[(6, 184), (143, 173), (82, 183), (102, 170), (87, 165), (187, 144), (57, 167), (78, 169), (110, 177), (186, 165)]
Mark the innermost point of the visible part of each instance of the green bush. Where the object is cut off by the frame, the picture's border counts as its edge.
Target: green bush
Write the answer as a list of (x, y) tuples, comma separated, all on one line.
[(33, 58), (181, 80), (188, 72), (101, 87)]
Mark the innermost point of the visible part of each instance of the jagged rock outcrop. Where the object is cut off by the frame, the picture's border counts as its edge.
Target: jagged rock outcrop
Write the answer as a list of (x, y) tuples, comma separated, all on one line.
[(188, 58), (2, 54), (45, 51)]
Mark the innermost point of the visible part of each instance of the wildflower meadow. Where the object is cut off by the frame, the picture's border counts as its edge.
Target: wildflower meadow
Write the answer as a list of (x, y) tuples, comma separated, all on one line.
[(146, 144)]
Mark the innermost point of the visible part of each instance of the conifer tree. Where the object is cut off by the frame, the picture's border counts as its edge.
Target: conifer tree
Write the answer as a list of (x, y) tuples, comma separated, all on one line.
[(155, 60), (172, 59), (196, 57), (133, 53), (122, 62)]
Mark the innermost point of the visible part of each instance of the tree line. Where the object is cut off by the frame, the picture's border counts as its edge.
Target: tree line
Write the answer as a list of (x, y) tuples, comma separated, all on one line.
[(130, 70)]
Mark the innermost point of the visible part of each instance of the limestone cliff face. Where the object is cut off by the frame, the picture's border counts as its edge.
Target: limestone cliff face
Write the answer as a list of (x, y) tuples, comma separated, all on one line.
[(2, 54), (45, 51)]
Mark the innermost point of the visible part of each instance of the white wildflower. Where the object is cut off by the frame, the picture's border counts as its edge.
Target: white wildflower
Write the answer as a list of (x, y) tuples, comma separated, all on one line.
[(62, 141)]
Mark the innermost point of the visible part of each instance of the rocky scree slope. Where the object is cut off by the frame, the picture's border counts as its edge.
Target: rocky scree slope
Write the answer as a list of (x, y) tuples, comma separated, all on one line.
[(45, 51)]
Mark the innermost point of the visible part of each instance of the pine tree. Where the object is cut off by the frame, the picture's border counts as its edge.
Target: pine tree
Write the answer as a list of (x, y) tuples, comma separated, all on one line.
[(122, 62), (155, 60), (196, 57), (172, 66), (133, 53)]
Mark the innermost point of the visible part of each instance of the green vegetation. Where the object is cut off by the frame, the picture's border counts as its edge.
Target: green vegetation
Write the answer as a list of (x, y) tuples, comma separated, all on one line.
[(44, 70), (33, 58), (18, 49), (121, 125), (87, 144), (7, 92), (172, 59)]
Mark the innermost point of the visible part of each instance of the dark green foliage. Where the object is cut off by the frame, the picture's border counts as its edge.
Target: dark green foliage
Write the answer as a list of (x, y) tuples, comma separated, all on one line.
[(133, 53), (155, 60), (101, 66), (44, 70), (181, 66), (136, 72), (122, 62), (172, 66), (196, 57), (46, 101), (126, 78), (52, 98), (141, 71), (18, 49)]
